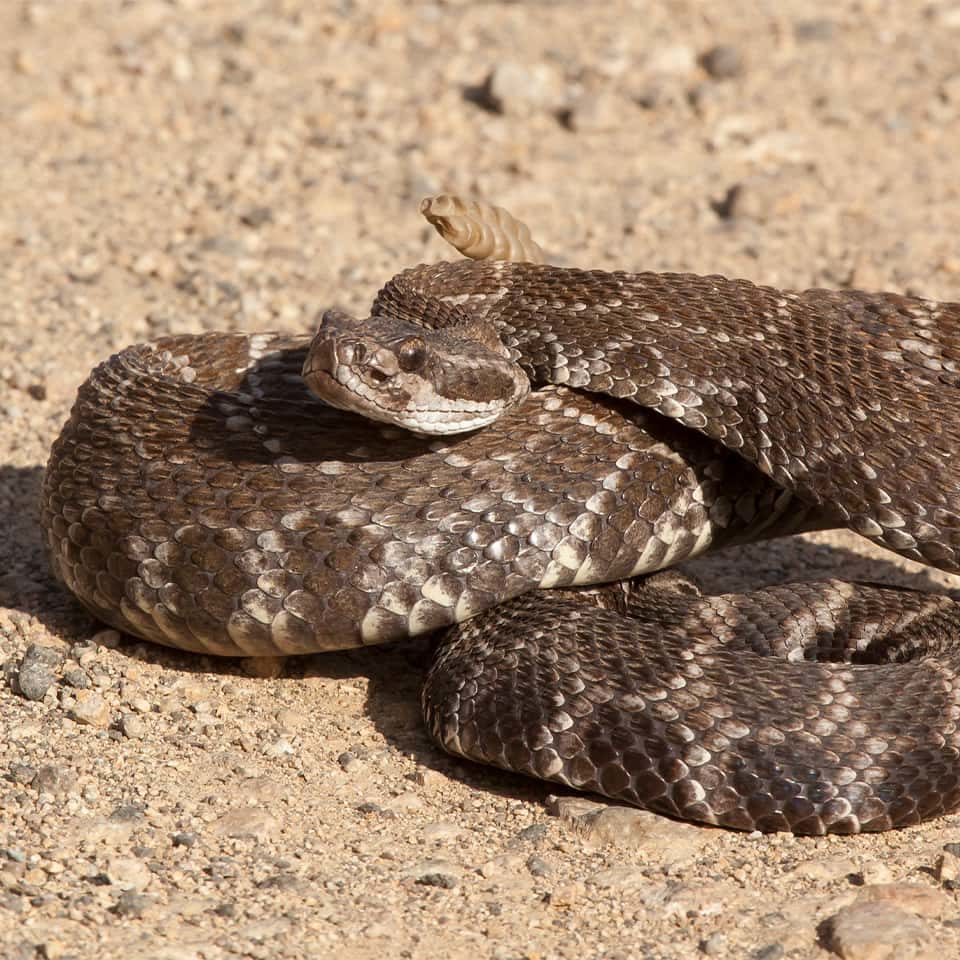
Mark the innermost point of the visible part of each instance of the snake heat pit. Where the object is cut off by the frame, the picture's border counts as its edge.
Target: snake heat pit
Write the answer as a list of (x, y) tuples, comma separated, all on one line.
[(500, 426)]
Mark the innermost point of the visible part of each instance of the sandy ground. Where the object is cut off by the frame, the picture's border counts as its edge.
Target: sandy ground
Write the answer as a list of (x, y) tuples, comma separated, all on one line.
[(177, 165)]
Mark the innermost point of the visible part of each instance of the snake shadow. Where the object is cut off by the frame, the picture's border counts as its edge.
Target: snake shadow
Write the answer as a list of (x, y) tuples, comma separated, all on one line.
[(27, 584), (290, 420)]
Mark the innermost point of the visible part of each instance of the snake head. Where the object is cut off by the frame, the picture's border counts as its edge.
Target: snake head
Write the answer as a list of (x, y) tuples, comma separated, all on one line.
[(432, 382)]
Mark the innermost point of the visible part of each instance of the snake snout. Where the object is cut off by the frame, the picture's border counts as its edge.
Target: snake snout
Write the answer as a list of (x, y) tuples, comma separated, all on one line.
[(321, 358)]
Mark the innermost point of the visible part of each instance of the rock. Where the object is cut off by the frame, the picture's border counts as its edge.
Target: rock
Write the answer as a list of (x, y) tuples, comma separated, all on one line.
[(879, 931), (55, 779), (436, 873), (133, 904), (37, 671), (569, 809), (77, 678), (128, 873), (443, 880), (714, 945), (722, 62), (767, 197), (875, 871), (440, 832), (21, 773), (405, 802), (277, 749), (521, 89), (502, 867), (598, 112), (247, 822), (534, 833), (618, 878), (918, 899), (830, 868), (772, 951), (948, 17), (538, 867), (133, 726), (630, 828), (90, 709), (948, 869), (257, 216), (566, 896), (290, 721), (425, 778), (814, 30), (127, 813)]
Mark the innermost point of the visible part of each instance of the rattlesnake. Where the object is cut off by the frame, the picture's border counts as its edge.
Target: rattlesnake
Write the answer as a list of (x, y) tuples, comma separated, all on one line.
[(201, 497)]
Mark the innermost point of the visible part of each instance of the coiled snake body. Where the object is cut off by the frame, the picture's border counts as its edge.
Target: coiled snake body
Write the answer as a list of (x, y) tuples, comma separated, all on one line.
[(201, 497)]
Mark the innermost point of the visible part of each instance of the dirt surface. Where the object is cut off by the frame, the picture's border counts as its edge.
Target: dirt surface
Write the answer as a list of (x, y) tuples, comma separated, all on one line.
[(178, 165)]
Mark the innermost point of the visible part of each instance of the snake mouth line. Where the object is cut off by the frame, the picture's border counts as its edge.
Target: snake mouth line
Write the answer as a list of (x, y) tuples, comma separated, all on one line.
[(345, 390)]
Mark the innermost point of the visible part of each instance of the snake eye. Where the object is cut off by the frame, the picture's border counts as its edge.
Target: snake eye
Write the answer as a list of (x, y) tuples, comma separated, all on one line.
[(412, 354)]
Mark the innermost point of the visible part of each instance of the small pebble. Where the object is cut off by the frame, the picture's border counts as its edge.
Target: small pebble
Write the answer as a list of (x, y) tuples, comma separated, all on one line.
[(438, 880), (127, 813), (77, 678), (714, 945), (133, 727), (436, 873), (722, 62), (629, 828), (405, 802), (598, 112), (277, 749), (819, 29), (21, 773), (534, 833), (257, 216), (877, 931), (440, 832), (539, 867), (54, 779), (253, 822), (948, 869), (826, 869), (132, 904), (36, 674), (91, 709), (518, 88), (772, 951), (128, 873)]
